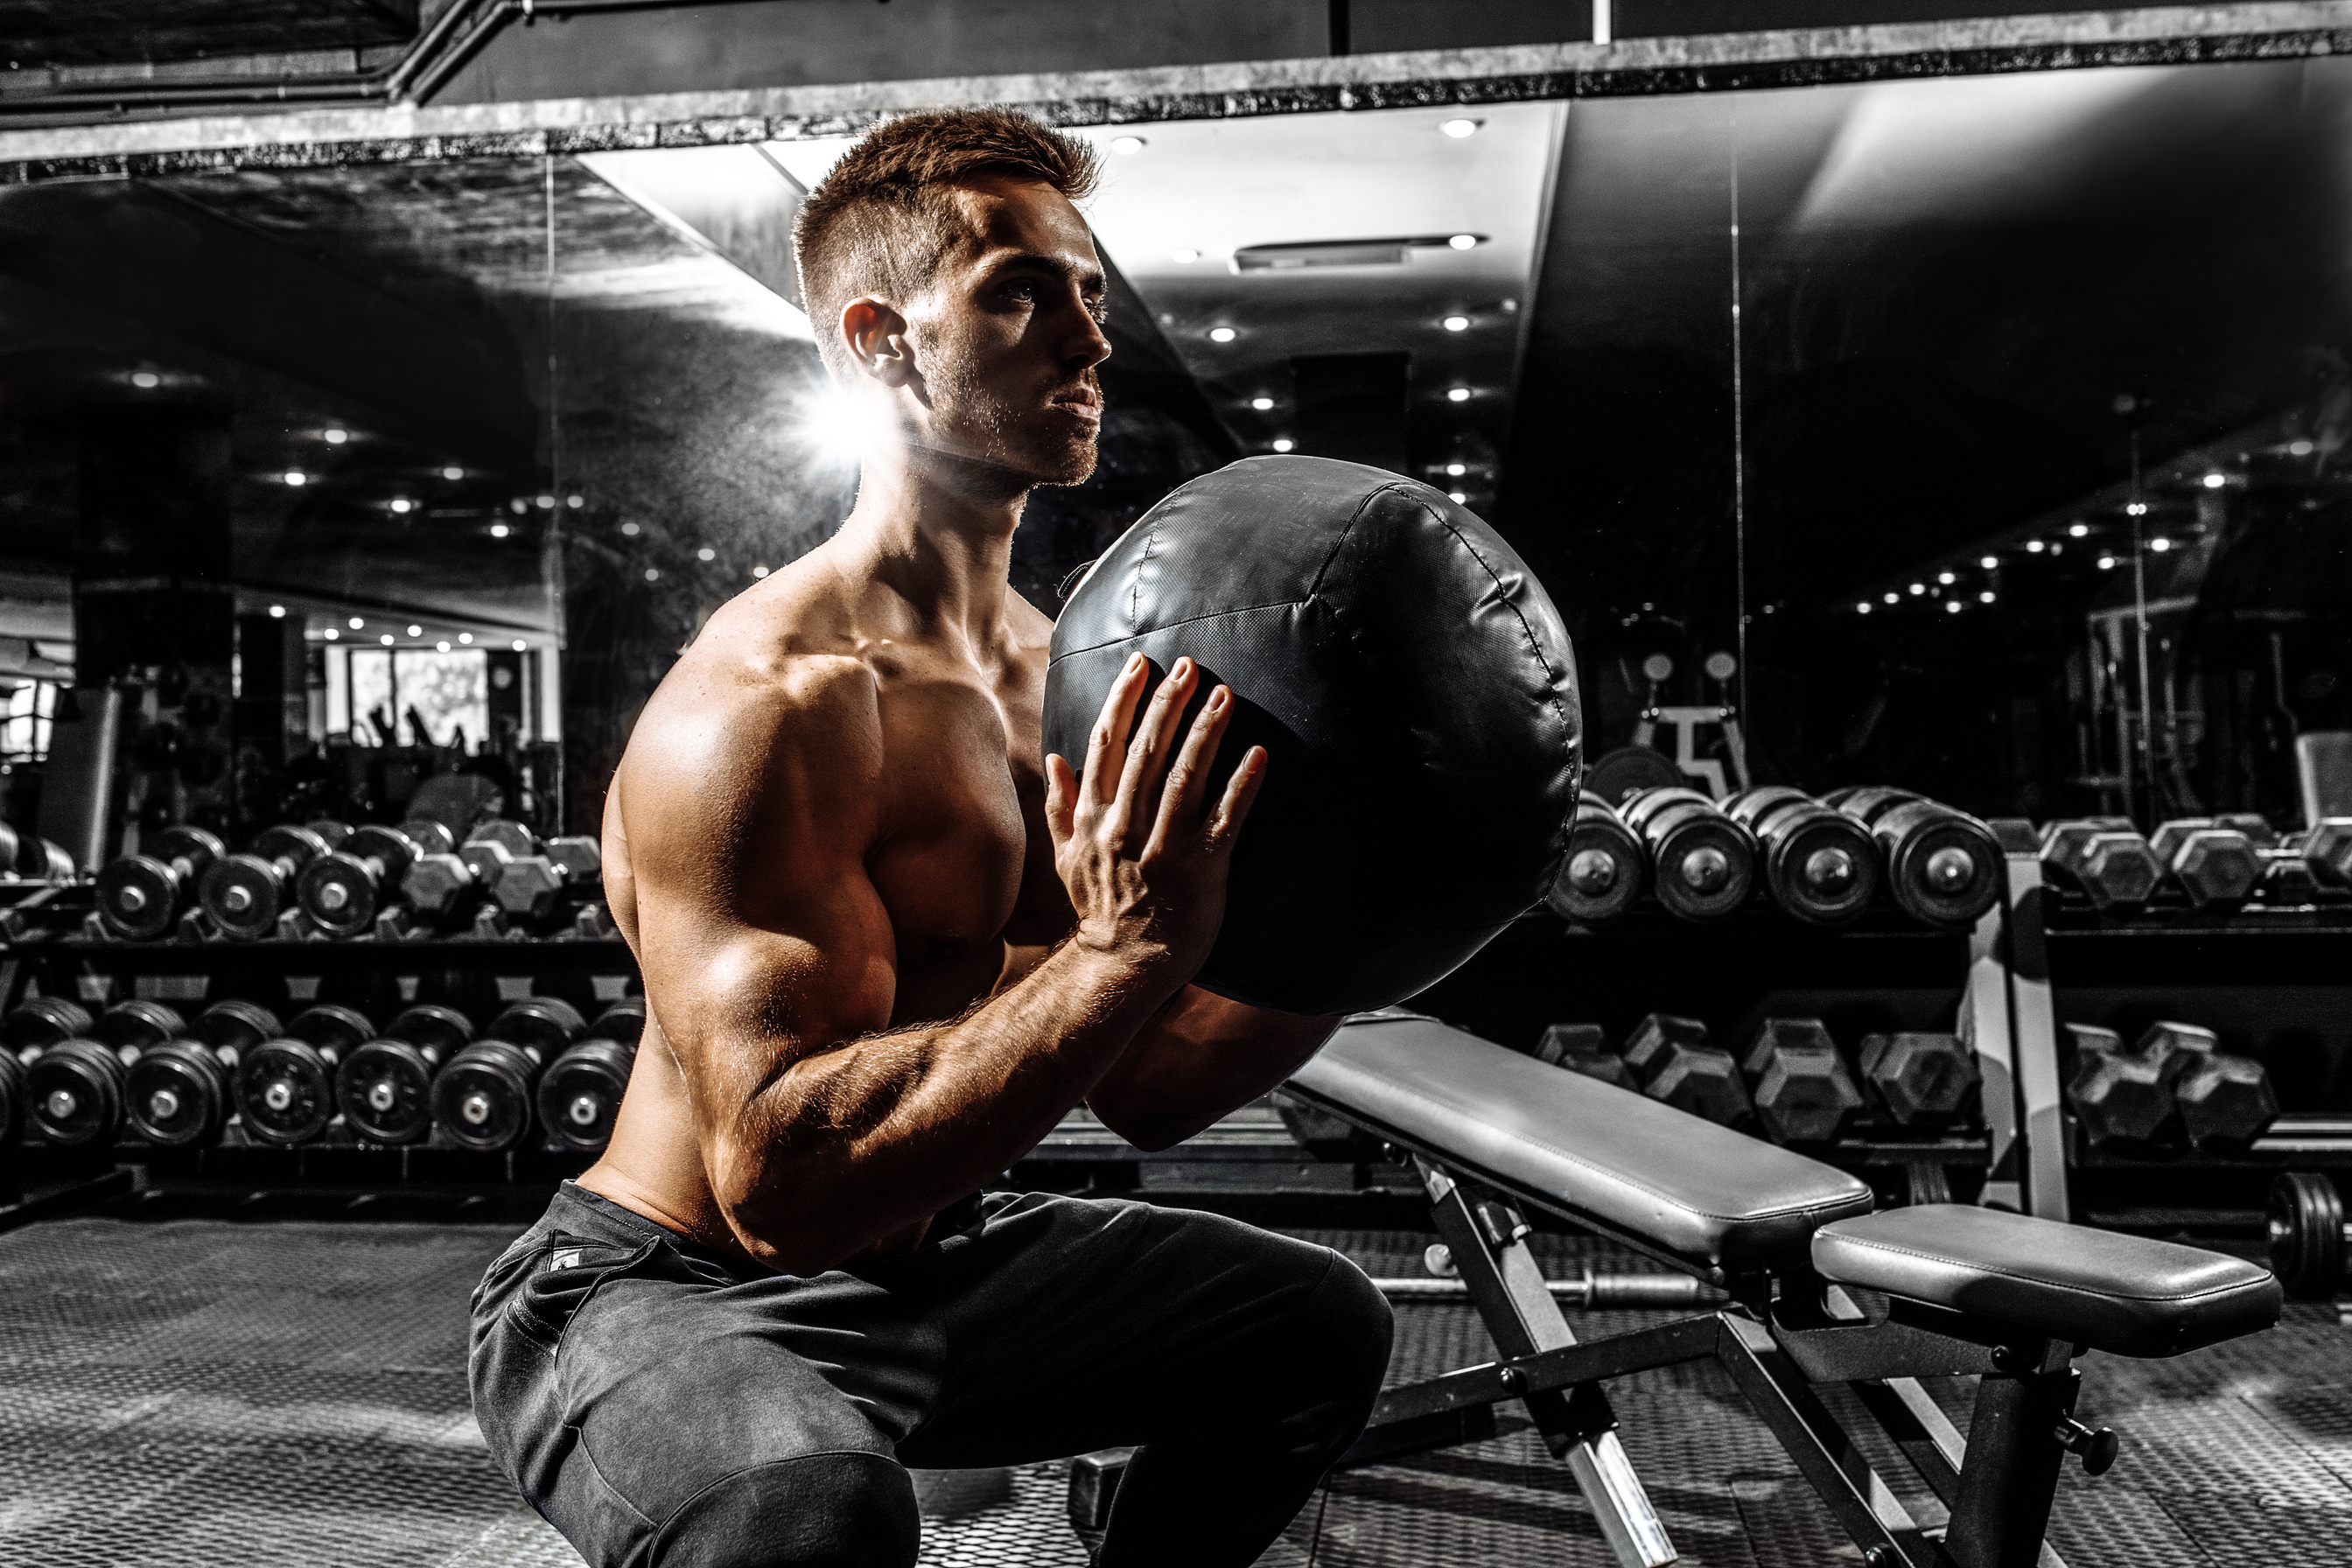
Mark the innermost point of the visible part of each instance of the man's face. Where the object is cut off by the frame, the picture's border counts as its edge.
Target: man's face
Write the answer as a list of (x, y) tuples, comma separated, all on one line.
[(1008, 334)]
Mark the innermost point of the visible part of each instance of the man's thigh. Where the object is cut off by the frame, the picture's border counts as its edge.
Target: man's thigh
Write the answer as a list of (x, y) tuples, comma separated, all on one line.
[(1070, 1325)]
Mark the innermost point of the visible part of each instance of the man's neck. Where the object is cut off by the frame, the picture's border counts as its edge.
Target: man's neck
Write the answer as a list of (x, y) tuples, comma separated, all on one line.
[(937, 533)]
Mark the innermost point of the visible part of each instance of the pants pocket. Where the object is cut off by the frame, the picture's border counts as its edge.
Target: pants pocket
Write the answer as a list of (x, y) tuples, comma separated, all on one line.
[(568, 1270)]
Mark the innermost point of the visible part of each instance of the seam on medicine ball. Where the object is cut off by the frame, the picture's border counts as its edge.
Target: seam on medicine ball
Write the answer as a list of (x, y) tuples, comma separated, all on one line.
[(1315, 586), (1171, 626)]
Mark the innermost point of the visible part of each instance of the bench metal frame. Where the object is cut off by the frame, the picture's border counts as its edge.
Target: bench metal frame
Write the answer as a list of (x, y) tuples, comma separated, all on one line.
[(1786, 1334)]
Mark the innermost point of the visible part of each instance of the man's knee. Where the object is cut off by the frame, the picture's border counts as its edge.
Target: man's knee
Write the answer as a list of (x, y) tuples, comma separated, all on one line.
[(1354, 1324), (817, 1510)]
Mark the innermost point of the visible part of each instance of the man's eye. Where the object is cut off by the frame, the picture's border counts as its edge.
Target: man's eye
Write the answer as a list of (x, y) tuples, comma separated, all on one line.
[(1022, 290)]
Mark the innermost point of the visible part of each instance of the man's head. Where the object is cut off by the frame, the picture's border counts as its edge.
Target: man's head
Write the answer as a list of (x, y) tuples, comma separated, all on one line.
[(949, 276)]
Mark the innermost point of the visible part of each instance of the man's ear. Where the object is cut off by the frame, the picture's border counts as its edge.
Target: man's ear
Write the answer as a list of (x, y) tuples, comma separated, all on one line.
[(875, 336)]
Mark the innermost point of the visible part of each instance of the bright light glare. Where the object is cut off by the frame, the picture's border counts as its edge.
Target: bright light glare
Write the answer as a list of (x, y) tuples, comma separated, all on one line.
[(1223, 335), (1458, 323), (835, 426), (277, 612), (1952, 607), (148, 380), (2034, 545), (759, 571), (1457, 395), (400, 504), (2295, 448), (1918, 587), (2106, 563), (1456, 497), (1863, 608), (2079, 530), (1126, 146), (2215, 481), (1282, 443), (500, 531), (2159, 545), (1985, 597), (1947, 578), (1893, 598), (336, 436), (1458, 128), (1261, 404), (453, 472), (297, 477), (1989, 562), (1455, 470), (1463, 241)]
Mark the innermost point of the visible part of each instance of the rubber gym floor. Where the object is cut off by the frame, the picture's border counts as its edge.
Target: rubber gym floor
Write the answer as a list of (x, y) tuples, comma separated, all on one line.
[(284, 1382)]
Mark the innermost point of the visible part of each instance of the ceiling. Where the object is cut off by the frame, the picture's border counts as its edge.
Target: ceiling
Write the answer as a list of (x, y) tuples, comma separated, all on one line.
[(35, 33)]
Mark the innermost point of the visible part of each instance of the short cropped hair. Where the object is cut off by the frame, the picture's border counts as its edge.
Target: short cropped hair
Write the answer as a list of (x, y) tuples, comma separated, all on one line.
[(881, 222)]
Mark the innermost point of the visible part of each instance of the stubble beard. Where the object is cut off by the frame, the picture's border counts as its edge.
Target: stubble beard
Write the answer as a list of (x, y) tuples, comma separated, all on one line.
[(1031, 446)]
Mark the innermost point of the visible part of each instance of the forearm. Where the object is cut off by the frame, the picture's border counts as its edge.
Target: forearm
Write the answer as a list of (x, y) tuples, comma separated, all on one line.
[(1198, 1058), (852, 1143)]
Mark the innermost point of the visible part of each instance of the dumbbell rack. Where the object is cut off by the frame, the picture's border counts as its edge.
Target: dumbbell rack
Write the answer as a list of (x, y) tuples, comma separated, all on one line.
[(2125, 972)]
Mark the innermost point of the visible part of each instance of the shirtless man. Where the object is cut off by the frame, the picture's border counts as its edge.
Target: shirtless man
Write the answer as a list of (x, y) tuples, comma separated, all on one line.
[(884, 951)]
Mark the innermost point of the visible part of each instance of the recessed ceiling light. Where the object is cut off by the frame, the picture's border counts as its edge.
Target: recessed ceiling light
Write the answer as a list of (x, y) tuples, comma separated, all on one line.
[(1282, 443), (357, 623), (465, 636), (416, 631), (297, 477), (1456, 497), (1222, 334), (385, 638), (148, 380), (1463, 241), (453, 472), (2295, 448), (630, 531), (1893, 598), (759, 571), (333, 634), (520, 646), (1455, 470), (1863, 608), (1985, 597), (1918, 587), (441, 647), (1261, 404), (2078, 530), (1458, 323), (2134, 509), (1457, 395), (1458, 128), (575, 503), (2215, 481), (336, 435), (400, 503), (2106, 563), (2034, 545), (277, 612), (2159, 545), (1989, 562), (500, 531), (1187, 255), (652, 574), (706, 553), (1945, 578), (547, 503), (1952, 606), (1126, 145)]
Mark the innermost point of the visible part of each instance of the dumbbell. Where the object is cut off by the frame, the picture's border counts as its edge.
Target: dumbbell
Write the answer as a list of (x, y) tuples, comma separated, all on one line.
[(508, 835), (245, 894), (1927, 1083), (2309, 1241), (1601, 875), (285, 1088), (624, 1021), (2216, 869), (332, 831), (1798, 1082), (2288, 880), (482, 1098), (2253, 825), (179, 1092), (579, 1093), (385, 1086), (2224, 1101), (44, 1021), (431, 838), (1582, 1048), (2111, 865), (1703, 863), (343, 891), (530, 888), (75, 1092), (2120, 1099), (12, 1100), (442, 889), (140, 897), (1943, 866), (2327, 851), (33, 857), (137, 1023), (1671, 1061), (1820, 865)]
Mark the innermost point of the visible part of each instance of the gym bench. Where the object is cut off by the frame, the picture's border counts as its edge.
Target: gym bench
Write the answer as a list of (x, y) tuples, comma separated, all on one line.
[(1966, 1290)]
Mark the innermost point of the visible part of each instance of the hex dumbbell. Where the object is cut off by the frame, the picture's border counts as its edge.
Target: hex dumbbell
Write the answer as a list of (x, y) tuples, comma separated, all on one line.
[(1703, 864), (1798, 1081), (2223, 1103), (1820, 865), (140, 897), (285, 1088), (531, 888), (76, 1090), (1600, 877), (245, 894), (1943, 866), (2122, 1100), (343, 891), (1583, 1048), (1672, 1061), (2327, 851), (2114, 867), (1925, 1083), (385, 1085), (2216, 869)]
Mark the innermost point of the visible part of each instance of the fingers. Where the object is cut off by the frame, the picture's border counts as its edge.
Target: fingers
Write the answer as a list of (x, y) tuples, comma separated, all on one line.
[(1187, 788), (1061, 800), (1109, 737), (1241, 793), (1151, 749)]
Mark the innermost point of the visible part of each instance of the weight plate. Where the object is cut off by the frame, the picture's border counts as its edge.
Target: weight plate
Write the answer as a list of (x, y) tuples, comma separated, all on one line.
[(199, 847), (2305, 1223), (11, 1101), (245, 894), (512, 836), (331, 1027), (138, 1022), (1600, 876), (298, 847), (286, 1091), (1618, 774), (177, 1095), (237, 1025), (1944, 867), (1703, 863), (389, 847), (624, 1021), (386, 1089), (441, 1030), (74, 1093), (339, 893), (44, 1021), (430, 837), (482, 1097), (580, 1094), (1821, 865), (138, 897), (331, 832), (546, 1024)]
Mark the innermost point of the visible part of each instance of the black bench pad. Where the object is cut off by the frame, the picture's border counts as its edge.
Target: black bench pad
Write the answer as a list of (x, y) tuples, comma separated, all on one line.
[(2123, 1294), (1682, 1187)]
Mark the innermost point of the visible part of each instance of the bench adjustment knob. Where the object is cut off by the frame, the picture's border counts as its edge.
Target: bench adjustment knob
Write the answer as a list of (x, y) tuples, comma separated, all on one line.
[(2095, 1446)]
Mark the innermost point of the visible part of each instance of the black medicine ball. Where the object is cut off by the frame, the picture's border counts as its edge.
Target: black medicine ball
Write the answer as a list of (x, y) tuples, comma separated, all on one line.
[(1413, 689)]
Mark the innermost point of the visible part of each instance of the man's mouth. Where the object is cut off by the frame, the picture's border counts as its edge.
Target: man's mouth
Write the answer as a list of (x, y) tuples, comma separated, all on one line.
[(1086, 403)]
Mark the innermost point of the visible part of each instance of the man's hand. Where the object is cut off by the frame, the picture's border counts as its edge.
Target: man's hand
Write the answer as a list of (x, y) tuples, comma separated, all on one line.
[(1142, 854)]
